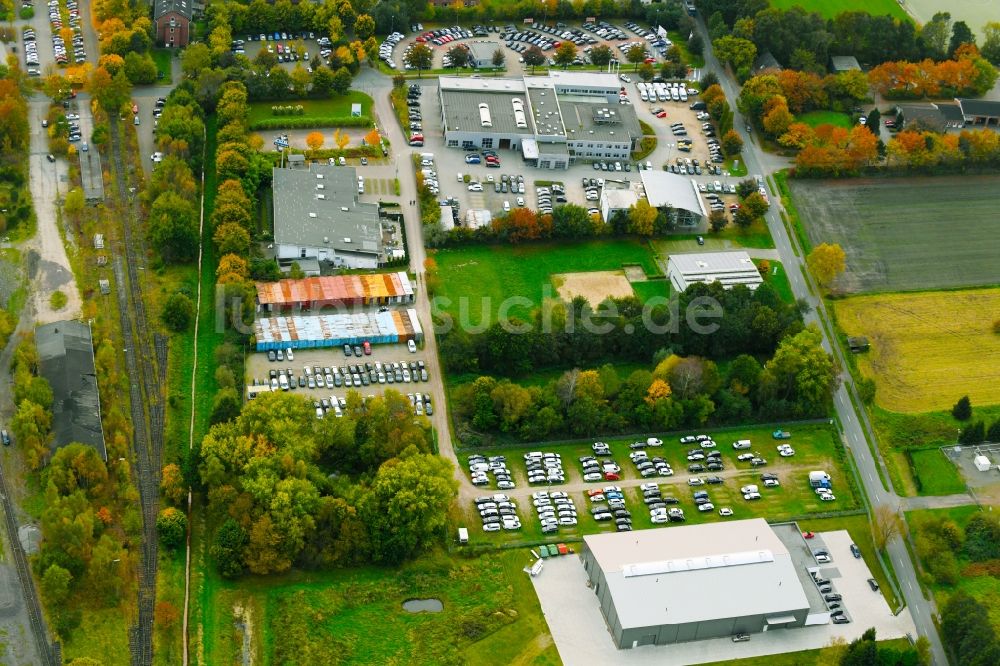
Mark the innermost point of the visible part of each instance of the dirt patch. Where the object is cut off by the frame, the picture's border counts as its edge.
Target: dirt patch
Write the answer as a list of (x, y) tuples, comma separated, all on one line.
[(635, 273), (594, 286)]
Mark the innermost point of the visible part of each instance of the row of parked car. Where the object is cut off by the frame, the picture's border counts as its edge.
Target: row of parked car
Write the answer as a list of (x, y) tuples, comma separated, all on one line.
[(656, 42), (480, 466), (544, 468), (599, 470), (554, 510), (672, 91), (660, 508), (608, 504), (386, 47), (647, 467), (825, 587), (498, 512)]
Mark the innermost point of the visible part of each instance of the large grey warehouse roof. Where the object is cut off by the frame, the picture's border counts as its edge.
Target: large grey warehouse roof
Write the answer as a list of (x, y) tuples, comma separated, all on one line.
[(727, 268), (319, 207), (583, 123), (665, 189), (66, 361), (697, 573)]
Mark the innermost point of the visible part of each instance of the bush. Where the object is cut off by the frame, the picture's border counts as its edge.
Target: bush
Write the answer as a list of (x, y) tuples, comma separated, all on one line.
[(172, 526), (177, 312), (962, 411), (58, 300), (27, 13), (287, 122)]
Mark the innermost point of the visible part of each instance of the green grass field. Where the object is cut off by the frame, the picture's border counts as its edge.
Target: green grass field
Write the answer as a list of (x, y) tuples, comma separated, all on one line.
[(478, 279), (817, 118), (900, 234), (651, 289), (937, 474), (778, 278), (491, 615), (756, 236), (830, 8), (816, 447), (820, 657), (162, 58), (336, 107)]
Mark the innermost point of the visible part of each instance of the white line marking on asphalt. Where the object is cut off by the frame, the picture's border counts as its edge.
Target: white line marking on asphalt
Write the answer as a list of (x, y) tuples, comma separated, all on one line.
[(909, 585)]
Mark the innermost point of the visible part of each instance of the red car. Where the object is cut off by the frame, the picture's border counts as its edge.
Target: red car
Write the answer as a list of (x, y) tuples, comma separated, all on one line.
[(808, 535), (595, 491), (661, 114), (367, 347), (611, 476)]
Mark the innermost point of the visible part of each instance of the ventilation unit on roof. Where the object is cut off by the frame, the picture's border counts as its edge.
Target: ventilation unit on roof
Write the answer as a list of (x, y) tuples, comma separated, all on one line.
[(347, 240), (321, 196), (312, 214), (326, 239), (701, 264), (320, 186), (319, 176), (344, 208)]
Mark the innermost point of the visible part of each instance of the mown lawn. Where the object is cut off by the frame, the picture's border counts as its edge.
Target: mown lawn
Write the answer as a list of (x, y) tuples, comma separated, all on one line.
[(778, 278), (817, 118), (937, 474), (830, 8), (649, 289), (336, 107), (480, 279), (355, 616), (162, 58)]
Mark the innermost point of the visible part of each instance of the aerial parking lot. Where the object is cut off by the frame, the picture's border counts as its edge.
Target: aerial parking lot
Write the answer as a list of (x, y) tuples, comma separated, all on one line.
[(630, 484)]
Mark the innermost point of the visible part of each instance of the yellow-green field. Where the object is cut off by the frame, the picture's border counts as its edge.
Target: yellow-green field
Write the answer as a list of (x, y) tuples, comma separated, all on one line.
[(928, 349)]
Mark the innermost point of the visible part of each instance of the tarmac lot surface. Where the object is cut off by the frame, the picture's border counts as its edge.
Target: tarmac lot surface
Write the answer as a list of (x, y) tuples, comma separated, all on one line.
[(581, 635)]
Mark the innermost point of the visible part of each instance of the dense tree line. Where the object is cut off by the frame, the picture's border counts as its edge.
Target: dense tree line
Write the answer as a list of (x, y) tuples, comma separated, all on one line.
[(126, 38), (780, 369), (967, 74), (797, 381), (285, 488), (14, 145), (943, 545), (805, 40), (967, 631)]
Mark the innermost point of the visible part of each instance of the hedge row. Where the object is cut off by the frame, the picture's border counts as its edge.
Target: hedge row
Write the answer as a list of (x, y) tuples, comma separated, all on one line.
[(292, 122)]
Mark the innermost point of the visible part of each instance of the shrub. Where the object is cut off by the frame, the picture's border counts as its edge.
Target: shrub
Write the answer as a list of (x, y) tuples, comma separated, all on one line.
[(172, 526), (58, 300), (178, 312), (962, 411), (286, 122)]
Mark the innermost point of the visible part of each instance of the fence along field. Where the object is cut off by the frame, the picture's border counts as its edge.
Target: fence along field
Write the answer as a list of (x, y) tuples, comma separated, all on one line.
[(928, 349), (906, 234)]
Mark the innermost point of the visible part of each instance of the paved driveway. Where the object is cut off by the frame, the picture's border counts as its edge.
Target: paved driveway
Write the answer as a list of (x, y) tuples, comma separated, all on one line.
[(581, 635)]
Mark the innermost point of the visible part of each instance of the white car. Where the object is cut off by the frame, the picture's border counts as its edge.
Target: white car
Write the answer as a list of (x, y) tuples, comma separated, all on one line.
[(520, 201), (506, 206), (156, 157), (593, 476), (707, 506), (771, 483), (290, 354), (475, 187), (786, 453), (659, 519), (725, 511), (827, 497), (696, 481), (491, 527), (823, 559), (412, 346)]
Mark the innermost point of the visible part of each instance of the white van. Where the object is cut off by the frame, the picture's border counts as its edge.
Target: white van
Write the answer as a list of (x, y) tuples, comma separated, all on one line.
[(283, 382), (742, 444), (427, 156)]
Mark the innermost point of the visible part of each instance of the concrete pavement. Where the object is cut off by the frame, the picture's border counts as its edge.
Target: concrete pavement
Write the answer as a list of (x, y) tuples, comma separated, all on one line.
[(856, 430)]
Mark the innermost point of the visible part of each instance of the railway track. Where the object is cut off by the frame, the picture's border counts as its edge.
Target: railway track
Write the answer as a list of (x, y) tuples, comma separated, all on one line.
[(145, 363), (49, 654)]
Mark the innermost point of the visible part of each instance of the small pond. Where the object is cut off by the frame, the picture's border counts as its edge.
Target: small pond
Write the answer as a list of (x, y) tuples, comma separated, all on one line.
[(423, 605)]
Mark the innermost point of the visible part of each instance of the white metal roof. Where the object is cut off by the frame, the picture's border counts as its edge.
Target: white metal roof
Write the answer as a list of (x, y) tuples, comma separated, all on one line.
[(751, 584), (665, 189), (727, 268)]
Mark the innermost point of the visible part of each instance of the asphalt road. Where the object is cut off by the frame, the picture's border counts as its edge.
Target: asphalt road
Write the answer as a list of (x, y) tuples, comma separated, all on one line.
[(856, 429)]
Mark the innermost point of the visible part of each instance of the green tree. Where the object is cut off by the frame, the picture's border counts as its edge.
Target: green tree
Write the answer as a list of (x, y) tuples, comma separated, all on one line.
[(960, 34), (364, 26), (646, 71), (232, 239), (991, 42), (974, 433), (227, 549), (935, 34), (74, 203), (178, 312), (226, 405), (173, 228), (195, 58), (739, 53), (717, 220), (982, 537), (419, 58), (802, 373), (171, 525), (962, 411), (565, 54), (636, 54), (601, 54), (406, 508), (341, 81), (55, 586), (534, 57), (499, 59), (993, 433), (459, 55), (826, 262), (861, 651)]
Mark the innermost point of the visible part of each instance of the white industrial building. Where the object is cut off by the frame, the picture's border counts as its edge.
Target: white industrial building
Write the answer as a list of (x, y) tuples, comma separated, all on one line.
[(612, 201), (318, 215), (727, 268), (551, 120), (677, 195), (662, 586)]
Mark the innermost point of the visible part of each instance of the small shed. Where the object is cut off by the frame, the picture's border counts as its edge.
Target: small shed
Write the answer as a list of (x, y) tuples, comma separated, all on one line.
[(98, 241), (105, 286), (858, 343), (355, 110), (982, 463), (463, 535)]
